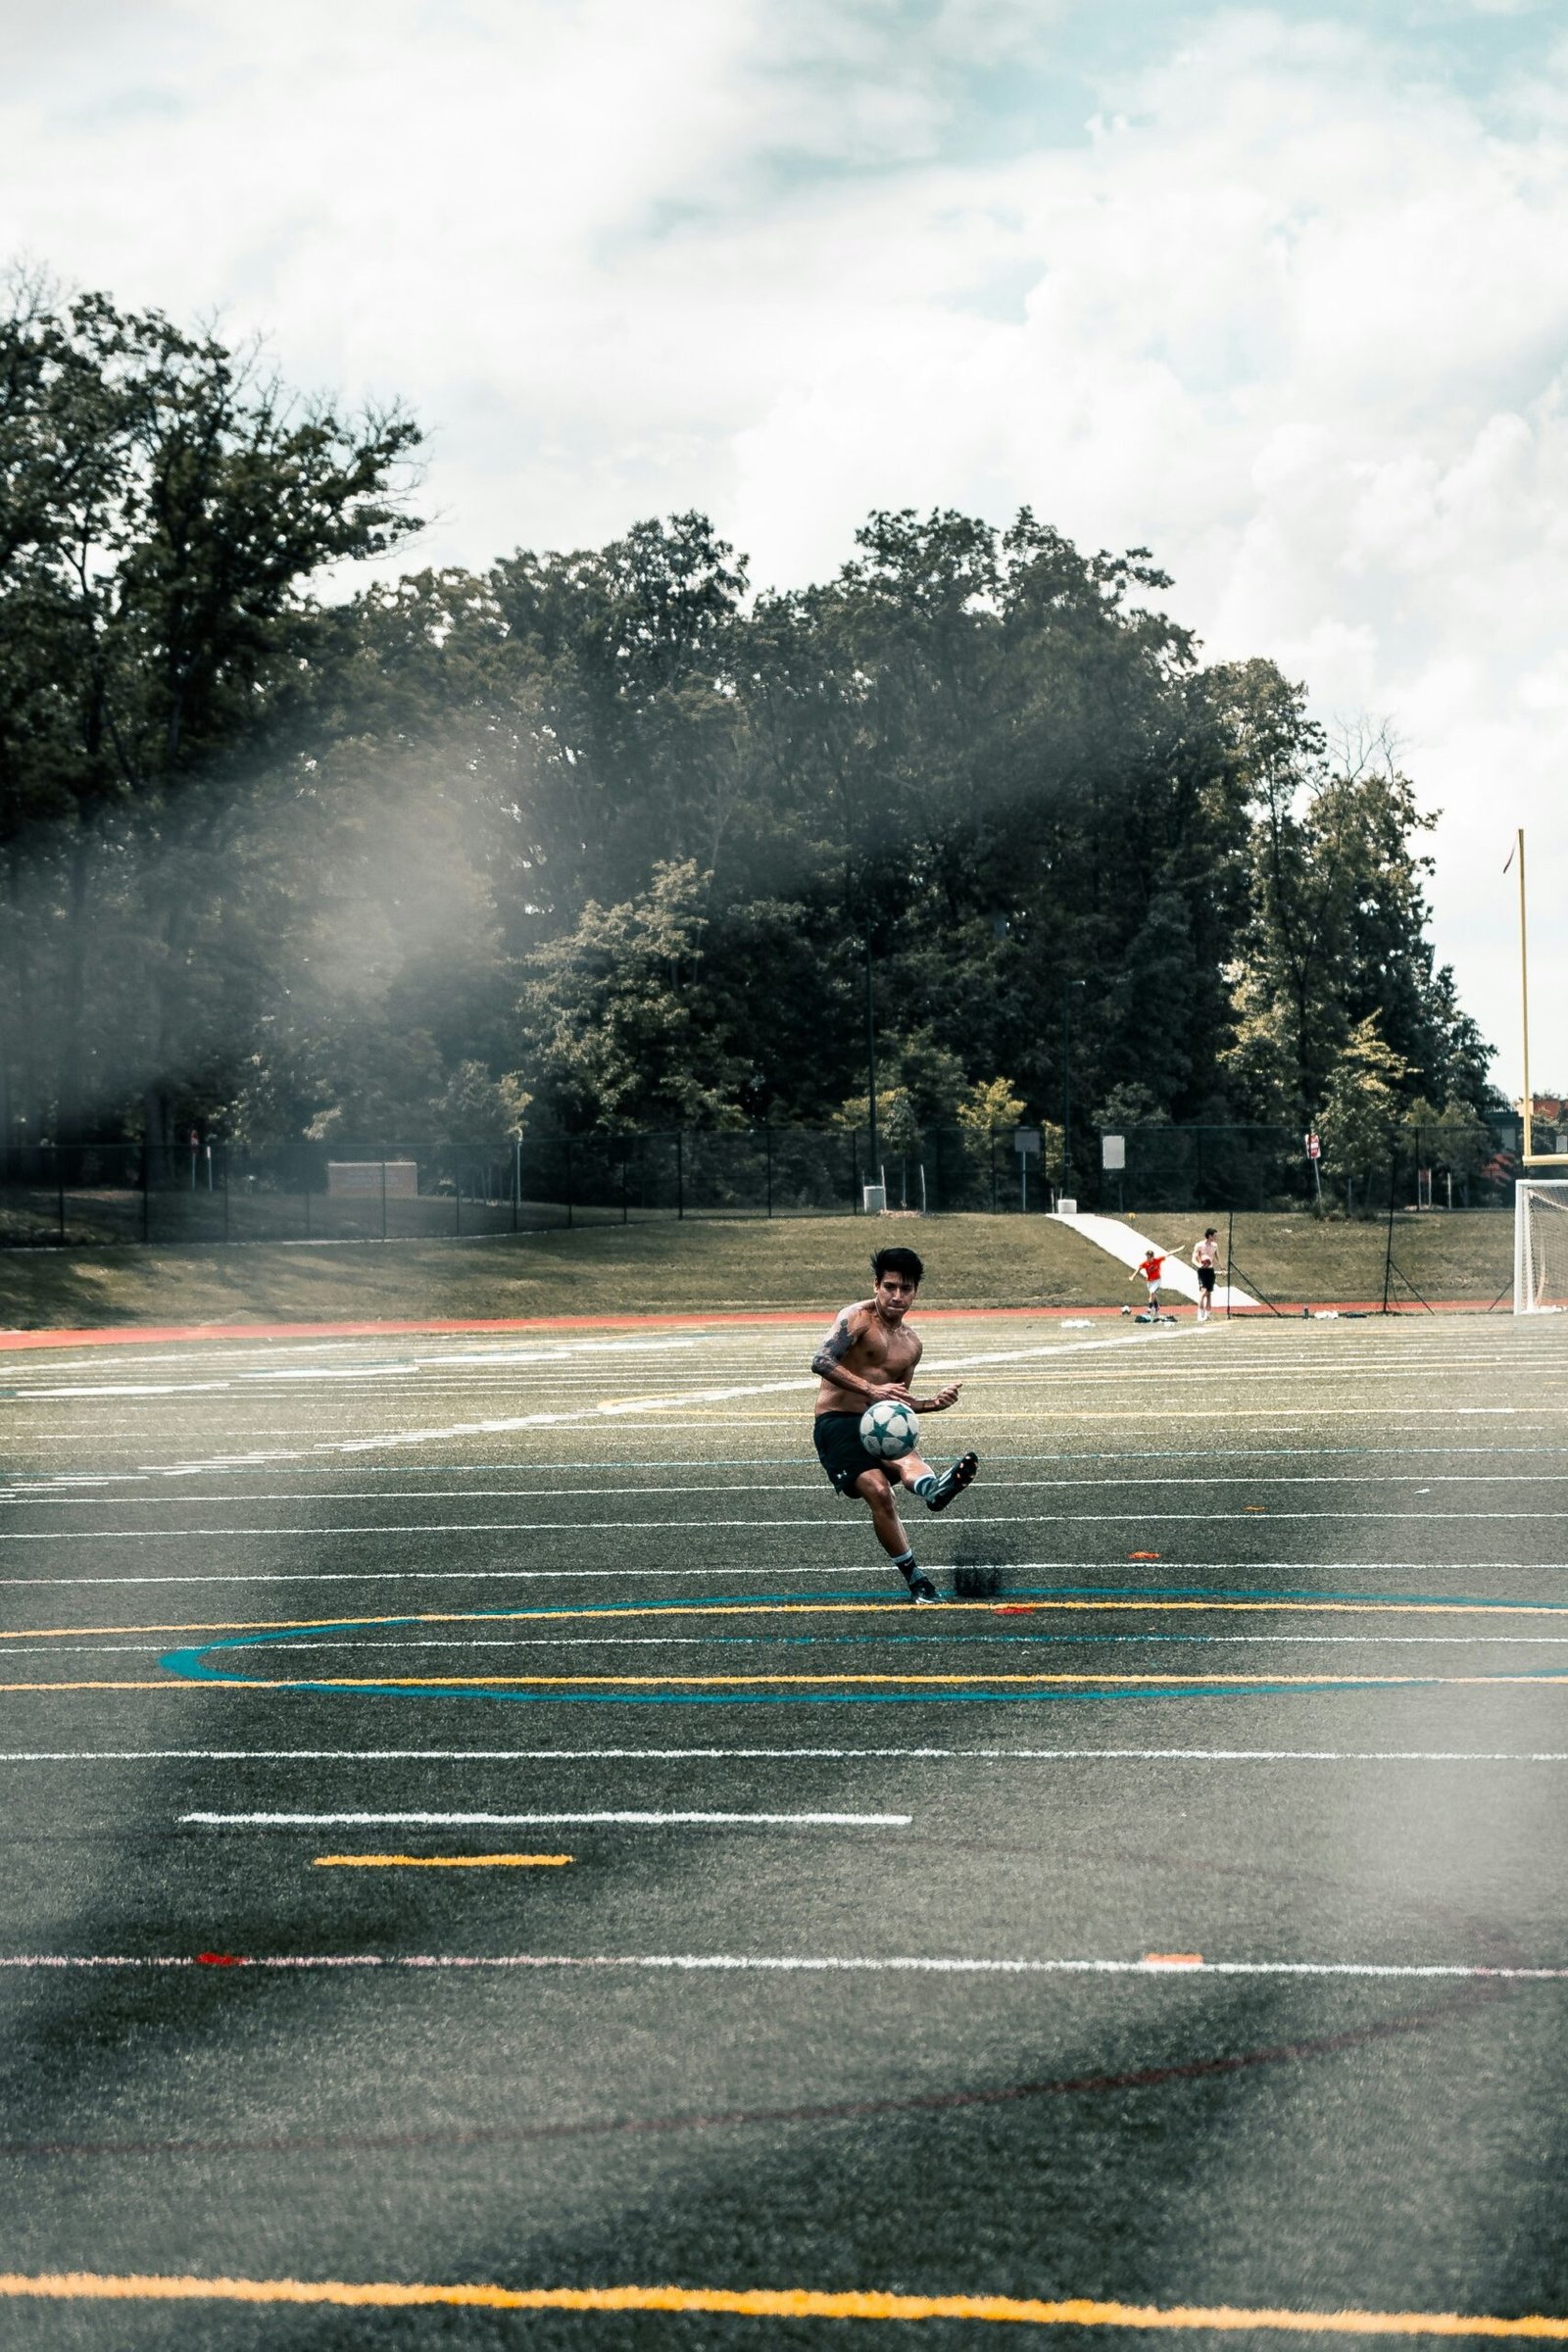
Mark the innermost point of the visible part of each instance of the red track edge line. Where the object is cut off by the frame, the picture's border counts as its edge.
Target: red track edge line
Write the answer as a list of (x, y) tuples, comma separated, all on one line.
[(694, 1320), (122, 1334)]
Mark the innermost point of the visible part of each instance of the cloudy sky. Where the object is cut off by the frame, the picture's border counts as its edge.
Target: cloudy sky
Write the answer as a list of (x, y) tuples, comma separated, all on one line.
[(1282, 293)]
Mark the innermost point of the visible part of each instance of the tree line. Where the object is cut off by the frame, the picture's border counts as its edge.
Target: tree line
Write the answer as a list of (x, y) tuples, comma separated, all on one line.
[(608, 838)]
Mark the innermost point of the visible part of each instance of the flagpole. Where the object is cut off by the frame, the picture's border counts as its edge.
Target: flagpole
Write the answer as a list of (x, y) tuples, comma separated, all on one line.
[(1527, 1133), (1528, 1157)]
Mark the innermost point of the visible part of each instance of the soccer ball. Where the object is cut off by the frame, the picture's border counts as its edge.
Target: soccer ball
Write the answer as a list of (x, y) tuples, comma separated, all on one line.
[(889, 1429)]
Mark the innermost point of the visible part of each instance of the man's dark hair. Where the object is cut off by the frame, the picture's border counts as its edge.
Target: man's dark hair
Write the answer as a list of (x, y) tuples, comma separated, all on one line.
[(897, 1260)]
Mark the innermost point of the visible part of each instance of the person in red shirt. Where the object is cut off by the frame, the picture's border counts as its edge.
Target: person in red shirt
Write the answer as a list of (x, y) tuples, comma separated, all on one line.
[(1152, 1265)]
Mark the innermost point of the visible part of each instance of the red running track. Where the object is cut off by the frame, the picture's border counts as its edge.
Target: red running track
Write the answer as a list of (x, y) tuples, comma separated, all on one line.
[(122, 1334)]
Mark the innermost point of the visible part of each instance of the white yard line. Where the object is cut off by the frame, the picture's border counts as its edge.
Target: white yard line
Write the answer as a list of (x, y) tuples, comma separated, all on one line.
[(458, 1576), (1194, 1478), (683, 1755), (490, 1821), (33, 1485), (66, 1485), (608, 1408), (1150, 1514), (792, 1964), (772, 1569)]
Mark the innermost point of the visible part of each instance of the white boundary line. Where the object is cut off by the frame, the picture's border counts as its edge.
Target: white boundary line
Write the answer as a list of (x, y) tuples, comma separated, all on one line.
[(611, 1408), (775, 1569), (1195, 1478), (34, 1485), (1150, 1514), (790, 1964), (619, 1819), (669, 1756)]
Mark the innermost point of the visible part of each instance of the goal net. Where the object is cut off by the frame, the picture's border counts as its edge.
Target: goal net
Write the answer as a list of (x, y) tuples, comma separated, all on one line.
[(1539, 1246)]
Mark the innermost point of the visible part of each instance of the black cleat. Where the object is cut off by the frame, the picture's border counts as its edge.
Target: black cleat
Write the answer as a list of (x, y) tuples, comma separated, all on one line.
[(922, 1590), (953, 1481)]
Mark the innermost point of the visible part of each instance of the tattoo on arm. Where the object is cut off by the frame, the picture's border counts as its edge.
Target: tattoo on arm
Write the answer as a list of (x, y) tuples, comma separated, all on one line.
[(834, 1348)]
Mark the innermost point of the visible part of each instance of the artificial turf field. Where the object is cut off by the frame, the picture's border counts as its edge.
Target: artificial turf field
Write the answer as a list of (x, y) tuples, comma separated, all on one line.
[(875, 1965)]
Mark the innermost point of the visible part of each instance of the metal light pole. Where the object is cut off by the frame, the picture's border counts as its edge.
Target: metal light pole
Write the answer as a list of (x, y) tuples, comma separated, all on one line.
[(1527, 1107), (1529, 1156), (874, 1176), (1067, 988)]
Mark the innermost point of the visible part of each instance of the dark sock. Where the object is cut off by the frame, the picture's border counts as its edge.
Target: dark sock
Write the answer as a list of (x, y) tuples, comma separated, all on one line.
[(905, 1564)]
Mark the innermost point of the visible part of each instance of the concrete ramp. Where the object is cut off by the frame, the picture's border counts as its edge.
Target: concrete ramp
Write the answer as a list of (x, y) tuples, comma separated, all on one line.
[(1120, 1242)]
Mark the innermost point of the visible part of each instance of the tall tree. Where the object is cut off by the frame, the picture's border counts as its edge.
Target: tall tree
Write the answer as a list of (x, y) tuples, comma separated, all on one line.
[(1336, 926), (595, 827), (167, 505)]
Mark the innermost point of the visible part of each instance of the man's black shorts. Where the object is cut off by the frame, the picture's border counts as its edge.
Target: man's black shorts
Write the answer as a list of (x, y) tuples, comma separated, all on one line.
[(1205, 1278), (837, 1438)]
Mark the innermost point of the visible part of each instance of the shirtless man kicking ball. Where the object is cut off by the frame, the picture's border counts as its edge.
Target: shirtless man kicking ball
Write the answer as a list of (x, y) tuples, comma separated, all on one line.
[(871, 1353)]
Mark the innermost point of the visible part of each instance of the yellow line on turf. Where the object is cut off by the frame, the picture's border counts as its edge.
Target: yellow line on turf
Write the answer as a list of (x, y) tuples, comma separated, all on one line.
[(770, 2303), (442, 1861), (898, 1607), (170, 1683)]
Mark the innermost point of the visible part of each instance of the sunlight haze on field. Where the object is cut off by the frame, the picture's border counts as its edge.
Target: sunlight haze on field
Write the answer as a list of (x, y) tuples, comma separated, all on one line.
[(1281, 294)]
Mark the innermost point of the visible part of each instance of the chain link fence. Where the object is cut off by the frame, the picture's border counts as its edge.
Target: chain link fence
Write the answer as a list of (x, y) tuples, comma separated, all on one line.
[(1254, 1168), (204, 1191), (87, 1195)]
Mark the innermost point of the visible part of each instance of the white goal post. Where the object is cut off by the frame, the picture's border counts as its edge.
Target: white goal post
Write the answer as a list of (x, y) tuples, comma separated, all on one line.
[(1539, 1246)]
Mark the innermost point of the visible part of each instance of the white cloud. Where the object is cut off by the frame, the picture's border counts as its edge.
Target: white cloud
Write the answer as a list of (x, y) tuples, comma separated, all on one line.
[(1286, 298)]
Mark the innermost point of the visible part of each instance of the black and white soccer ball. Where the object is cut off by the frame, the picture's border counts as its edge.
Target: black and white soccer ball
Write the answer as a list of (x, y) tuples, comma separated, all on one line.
[(889, 1430)]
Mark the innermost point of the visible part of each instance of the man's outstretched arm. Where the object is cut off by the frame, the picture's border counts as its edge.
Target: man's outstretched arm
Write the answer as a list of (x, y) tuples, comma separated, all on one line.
[(938, 1403)]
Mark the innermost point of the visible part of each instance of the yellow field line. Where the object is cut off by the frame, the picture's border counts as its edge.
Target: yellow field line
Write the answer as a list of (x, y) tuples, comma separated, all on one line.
[(170, 1681), (442, 1861), (771, 2303), (726, 1682), (815, 1608)]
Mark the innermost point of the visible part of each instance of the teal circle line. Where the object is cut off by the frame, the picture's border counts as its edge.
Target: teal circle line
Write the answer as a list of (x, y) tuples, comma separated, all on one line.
[(192, 1664)]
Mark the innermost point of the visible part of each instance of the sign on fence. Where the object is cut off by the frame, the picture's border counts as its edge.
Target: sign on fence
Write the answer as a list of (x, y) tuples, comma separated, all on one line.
[(363, 1177), (1114, 1151)]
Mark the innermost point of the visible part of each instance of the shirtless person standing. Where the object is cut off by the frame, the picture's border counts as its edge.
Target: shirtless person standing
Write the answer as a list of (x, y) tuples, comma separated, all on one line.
[(1205, 1257), (869, 1354)]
